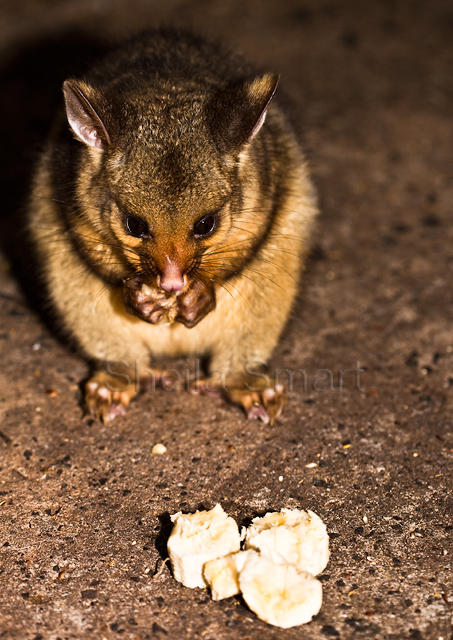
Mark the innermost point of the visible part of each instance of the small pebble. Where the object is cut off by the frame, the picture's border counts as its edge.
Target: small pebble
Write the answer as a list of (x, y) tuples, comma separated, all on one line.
[(159, 449)]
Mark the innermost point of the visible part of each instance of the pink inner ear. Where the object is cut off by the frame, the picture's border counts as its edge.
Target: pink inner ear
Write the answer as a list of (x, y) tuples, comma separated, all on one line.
[(85, 132), (90, 136), (82, 116)]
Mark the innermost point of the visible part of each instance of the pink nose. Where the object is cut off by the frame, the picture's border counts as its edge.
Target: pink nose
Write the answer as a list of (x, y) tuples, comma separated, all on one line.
[(172, 278)]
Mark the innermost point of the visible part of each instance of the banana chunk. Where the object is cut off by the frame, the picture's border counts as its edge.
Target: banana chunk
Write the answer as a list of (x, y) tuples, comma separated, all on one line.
[(222, 574), (197, 538), (291, 536), (279, 594)]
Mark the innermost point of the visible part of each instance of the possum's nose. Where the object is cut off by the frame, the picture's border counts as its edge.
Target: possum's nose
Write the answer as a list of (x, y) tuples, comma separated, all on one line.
[(172, 278)]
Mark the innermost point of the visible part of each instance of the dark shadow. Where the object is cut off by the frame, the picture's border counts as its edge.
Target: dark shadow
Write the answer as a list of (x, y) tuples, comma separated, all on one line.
[(31, 78), (166, 525), (247, 521)]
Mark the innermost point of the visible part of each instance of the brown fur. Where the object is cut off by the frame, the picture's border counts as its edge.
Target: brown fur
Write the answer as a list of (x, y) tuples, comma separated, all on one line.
[(176, 117)]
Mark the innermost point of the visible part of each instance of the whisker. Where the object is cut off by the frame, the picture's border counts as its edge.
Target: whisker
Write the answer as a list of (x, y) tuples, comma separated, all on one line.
[(261, 258), (259, 273)]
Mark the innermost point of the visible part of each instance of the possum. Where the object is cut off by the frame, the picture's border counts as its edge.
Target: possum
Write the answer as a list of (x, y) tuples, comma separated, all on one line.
[(171, 213)]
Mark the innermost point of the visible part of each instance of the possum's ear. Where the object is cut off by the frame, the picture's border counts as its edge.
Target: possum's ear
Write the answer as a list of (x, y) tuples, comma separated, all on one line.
[(238, 112), (83, 116)]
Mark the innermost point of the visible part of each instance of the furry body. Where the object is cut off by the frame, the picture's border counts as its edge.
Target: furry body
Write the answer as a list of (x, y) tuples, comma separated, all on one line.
[(177, 143)]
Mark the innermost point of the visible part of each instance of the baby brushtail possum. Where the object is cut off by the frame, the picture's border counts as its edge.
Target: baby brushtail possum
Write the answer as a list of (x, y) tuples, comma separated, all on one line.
[(172, 217)]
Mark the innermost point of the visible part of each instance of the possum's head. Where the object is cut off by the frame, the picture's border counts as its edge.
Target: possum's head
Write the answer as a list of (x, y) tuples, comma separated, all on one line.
[(169, 182)]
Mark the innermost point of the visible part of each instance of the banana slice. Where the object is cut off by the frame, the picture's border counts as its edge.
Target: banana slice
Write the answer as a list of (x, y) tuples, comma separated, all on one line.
[(222, 574), (279, 594), (197, 538), (291, 536)]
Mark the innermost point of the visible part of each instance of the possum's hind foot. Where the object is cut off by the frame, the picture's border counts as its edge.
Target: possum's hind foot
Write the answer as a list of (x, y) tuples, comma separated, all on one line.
[(108, 396), (264, 404)]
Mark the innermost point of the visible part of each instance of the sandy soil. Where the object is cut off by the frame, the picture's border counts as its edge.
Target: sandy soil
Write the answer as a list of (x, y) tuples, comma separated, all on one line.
[(84, 507)]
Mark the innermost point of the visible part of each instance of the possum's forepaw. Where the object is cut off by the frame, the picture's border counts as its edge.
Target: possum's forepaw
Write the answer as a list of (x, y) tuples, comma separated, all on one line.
[(195, 303), (265, 404), (107, 396), (148, 303)]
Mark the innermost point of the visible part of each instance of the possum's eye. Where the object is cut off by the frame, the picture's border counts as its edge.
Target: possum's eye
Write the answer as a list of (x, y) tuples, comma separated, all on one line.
[(204, 226), (136, 227)]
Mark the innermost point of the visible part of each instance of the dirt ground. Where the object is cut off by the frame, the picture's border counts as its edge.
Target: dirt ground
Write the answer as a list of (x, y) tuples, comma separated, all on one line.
[(84, 507)]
